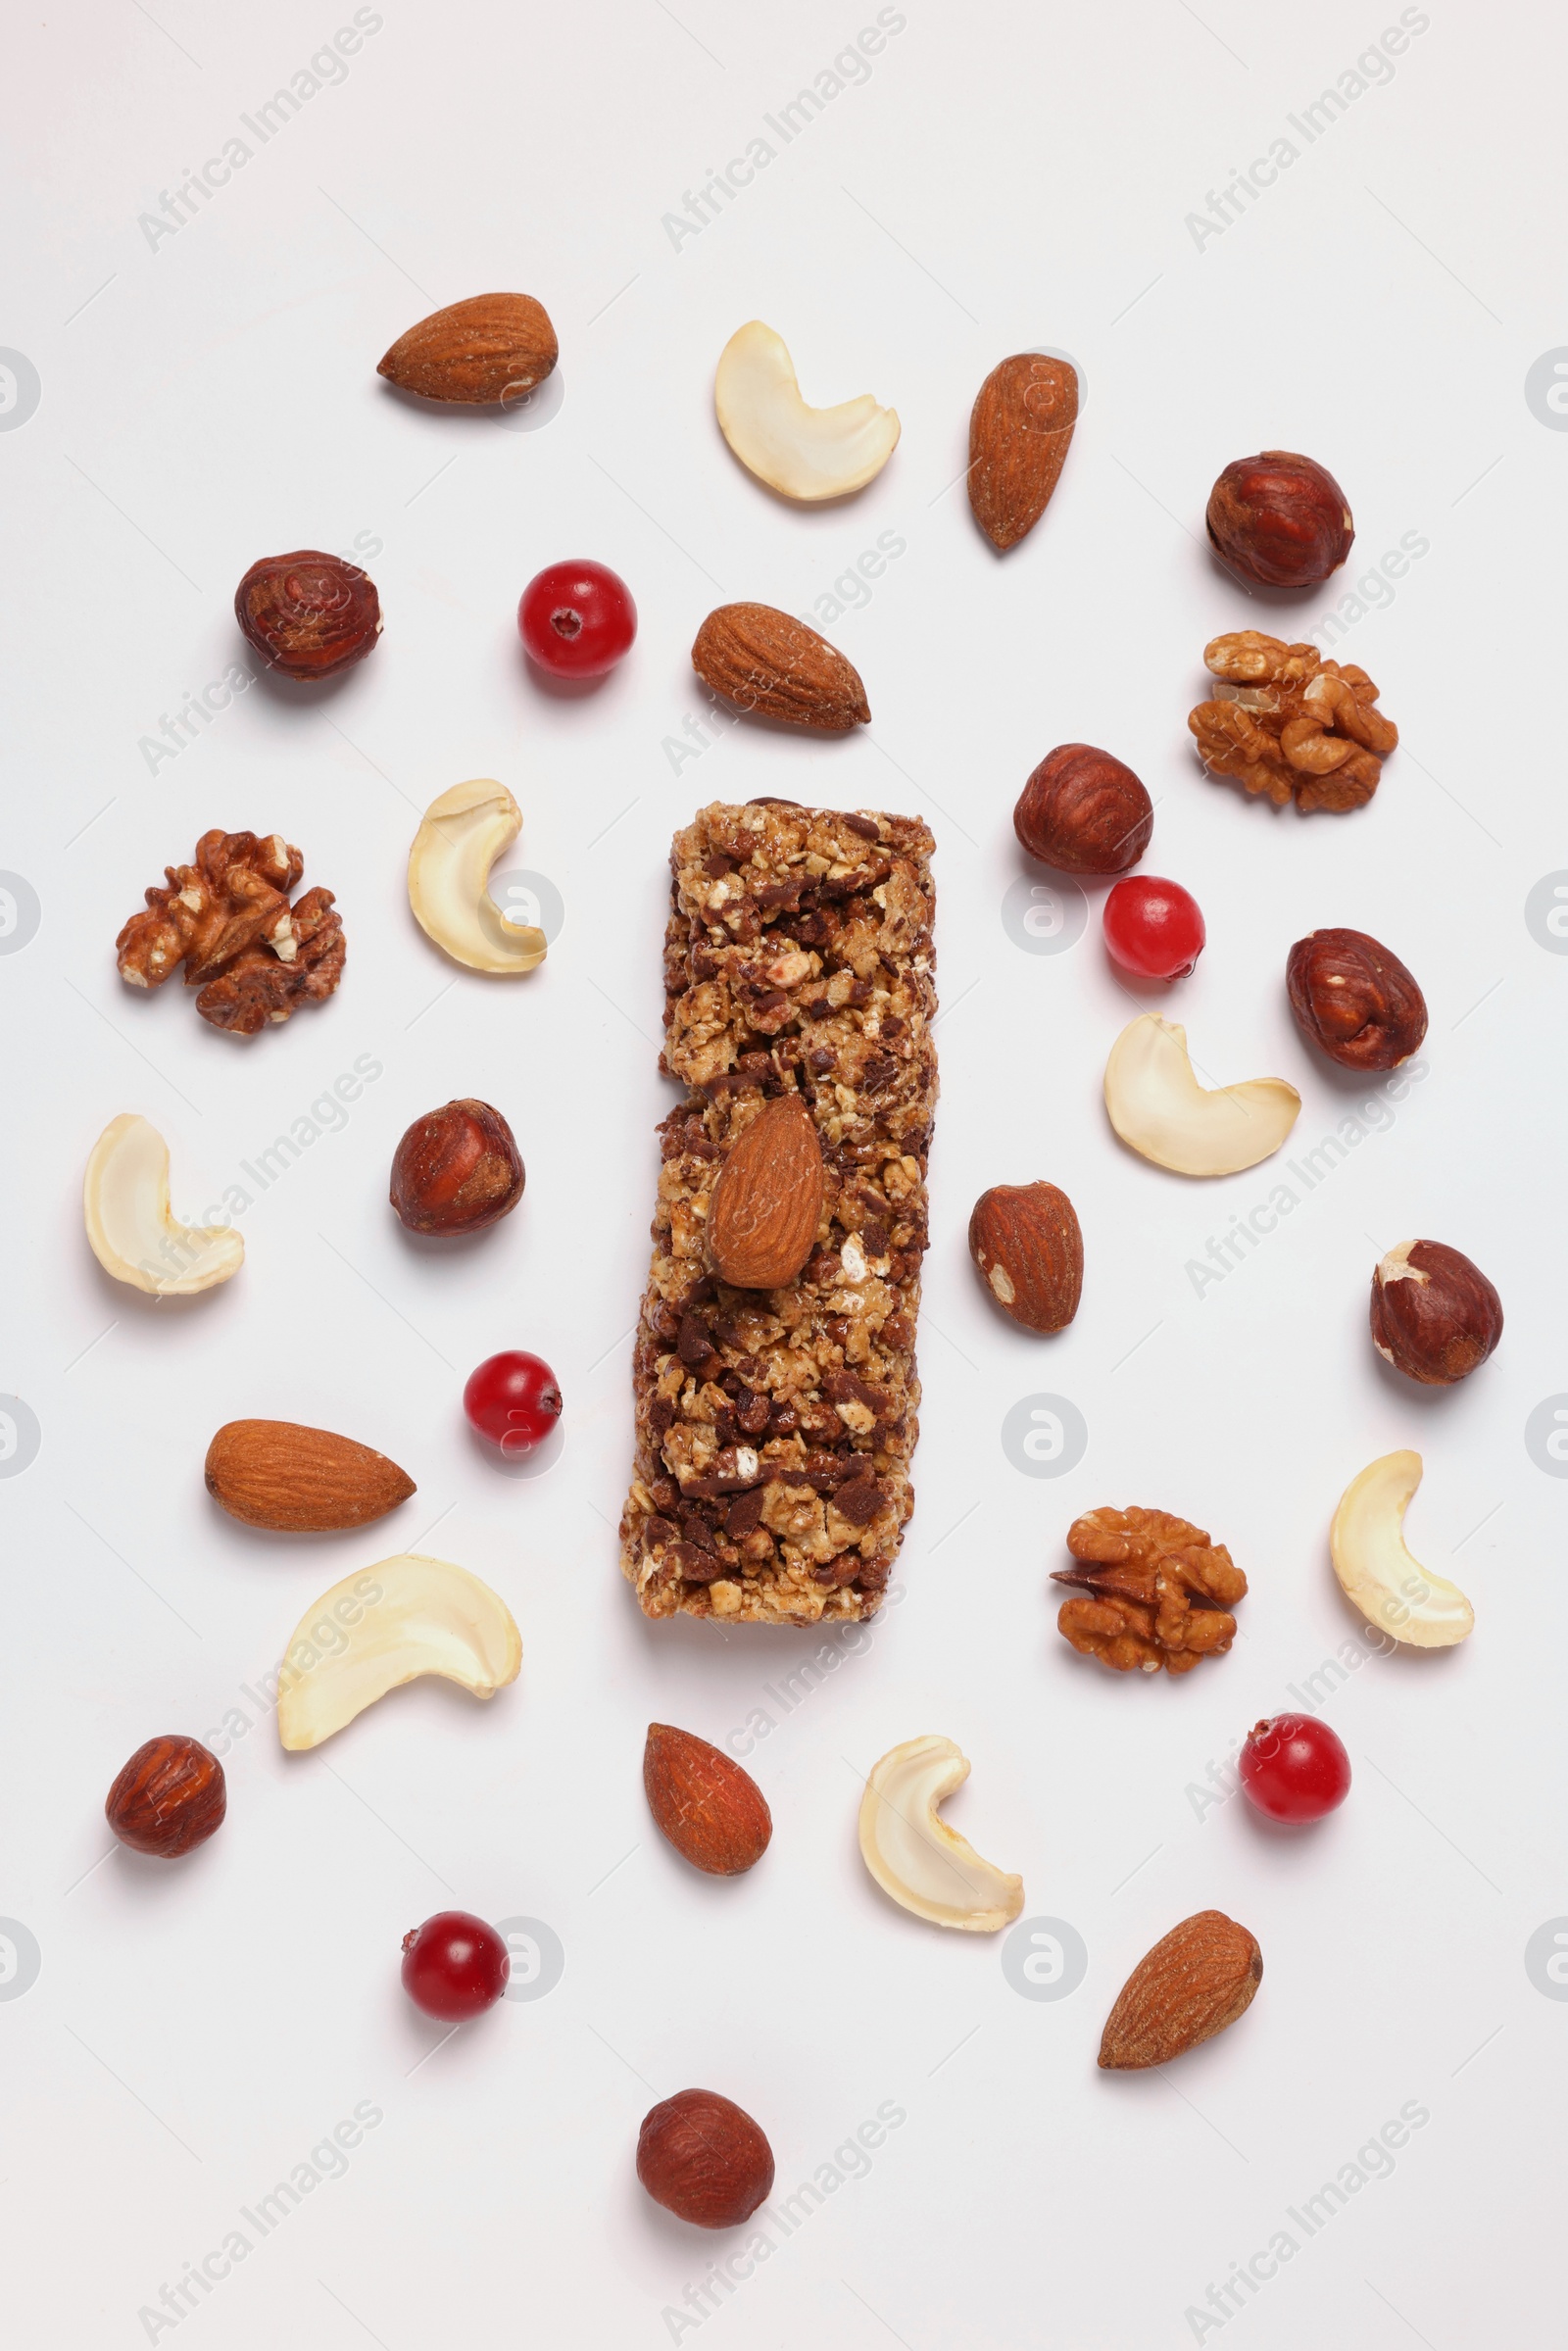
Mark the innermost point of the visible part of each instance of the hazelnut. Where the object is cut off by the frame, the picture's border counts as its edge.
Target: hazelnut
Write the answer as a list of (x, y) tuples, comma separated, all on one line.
[(1084, 812), (168, 1798), (1279, 519), (1355, 999), (1028, 1247), (704, 2159), (456, 1170), (1435, 1315), (308, 614)]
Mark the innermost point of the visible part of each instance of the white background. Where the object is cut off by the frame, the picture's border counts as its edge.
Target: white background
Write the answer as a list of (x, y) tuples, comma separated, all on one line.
[(1005, 179)]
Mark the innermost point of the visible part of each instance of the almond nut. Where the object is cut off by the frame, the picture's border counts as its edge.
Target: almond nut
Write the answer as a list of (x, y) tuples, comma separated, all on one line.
[(762, 659), (1197, 1980), (768, 1202), (475, 351), (712, 1812), (1020, 430), (1026, 1241), (274, 1473)]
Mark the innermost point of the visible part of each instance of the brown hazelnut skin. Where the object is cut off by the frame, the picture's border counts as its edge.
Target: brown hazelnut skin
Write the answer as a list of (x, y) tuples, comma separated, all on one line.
[(170, 1797), (1279, 520), (704, 2159), (1083, 811), (308, 614), (1355, 999), (456, 1170), (1435, 1315)]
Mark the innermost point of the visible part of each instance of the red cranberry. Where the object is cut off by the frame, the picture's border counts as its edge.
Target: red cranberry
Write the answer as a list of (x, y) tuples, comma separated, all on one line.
[(515, 1399), (1294, 1768), (454, 1966), (577, 620), (1153, 928)]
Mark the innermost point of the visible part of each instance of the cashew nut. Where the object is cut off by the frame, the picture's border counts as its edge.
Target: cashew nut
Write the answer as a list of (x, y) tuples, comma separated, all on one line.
[(806, 452), (133, 1234), (912, 1853), (386, 1625), (1390, 1586), (1157, 1107), (460, 837)]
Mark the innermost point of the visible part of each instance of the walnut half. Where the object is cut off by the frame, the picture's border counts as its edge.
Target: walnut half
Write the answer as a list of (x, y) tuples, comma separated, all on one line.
[(1288, 723), (1161, 1592), (226, 918)]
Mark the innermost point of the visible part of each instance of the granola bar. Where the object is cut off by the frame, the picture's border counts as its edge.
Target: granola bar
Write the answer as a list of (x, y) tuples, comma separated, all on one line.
[(774, 1427)]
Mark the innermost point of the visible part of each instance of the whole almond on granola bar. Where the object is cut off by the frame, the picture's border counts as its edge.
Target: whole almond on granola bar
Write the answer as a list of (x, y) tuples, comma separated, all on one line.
[(1020, 430), (488, 348), (1197, 1980), (763, 660), (767, 1202), (712, 1812), (1027, 1244), (300, 1481)]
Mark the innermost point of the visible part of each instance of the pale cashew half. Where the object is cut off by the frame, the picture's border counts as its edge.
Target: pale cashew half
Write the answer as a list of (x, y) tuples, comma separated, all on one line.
[(133, 1230), (1157, 1107), (806, 452), (1378, 1573), (386, 1625), (461, 835), (912, 1853)]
